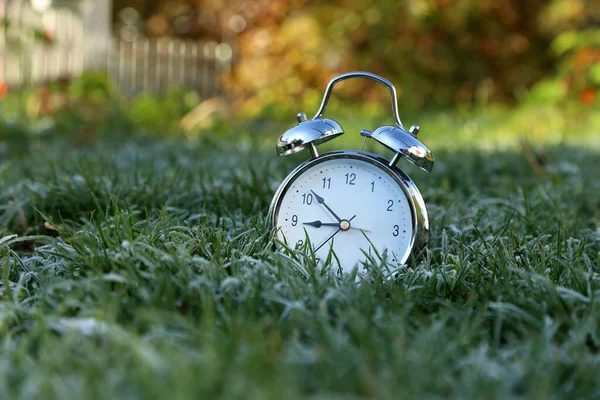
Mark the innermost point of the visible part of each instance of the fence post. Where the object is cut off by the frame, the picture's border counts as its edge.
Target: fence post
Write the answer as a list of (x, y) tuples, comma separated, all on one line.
[(97, 33), (3, 50)]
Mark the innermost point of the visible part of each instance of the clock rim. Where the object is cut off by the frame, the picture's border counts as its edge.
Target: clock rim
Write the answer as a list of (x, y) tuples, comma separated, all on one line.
[(420, 220)]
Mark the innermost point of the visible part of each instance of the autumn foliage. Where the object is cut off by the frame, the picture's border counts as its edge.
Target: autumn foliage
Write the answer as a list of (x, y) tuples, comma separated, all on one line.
[(438, 52)]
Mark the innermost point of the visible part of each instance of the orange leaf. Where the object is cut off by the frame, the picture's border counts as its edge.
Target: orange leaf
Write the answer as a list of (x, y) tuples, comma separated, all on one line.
[(3, 89), (588, 96)]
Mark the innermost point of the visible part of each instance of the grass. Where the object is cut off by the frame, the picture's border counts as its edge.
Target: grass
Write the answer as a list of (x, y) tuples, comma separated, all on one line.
[(144, 269)]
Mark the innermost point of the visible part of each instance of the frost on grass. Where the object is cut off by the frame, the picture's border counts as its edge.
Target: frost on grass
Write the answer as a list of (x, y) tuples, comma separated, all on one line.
[(159, 280), (82, 326)]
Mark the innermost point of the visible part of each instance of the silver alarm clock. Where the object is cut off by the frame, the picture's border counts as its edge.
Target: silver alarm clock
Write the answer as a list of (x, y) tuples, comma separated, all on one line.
[(348, 204)]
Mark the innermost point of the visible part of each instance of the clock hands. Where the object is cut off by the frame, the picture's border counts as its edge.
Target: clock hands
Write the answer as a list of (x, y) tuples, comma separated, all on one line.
[(321, 200), (341, 226)]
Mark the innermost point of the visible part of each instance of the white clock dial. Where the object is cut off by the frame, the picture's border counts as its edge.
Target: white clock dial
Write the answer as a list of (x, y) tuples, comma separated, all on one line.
[(349, 206)]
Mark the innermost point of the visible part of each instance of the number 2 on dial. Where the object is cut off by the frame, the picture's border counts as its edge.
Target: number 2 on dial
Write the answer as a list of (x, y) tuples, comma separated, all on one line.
[(390, 204)]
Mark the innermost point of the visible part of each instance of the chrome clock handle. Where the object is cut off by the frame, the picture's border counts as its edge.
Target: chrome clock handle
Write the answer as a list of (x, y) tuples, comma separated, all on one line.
[(361, 74)]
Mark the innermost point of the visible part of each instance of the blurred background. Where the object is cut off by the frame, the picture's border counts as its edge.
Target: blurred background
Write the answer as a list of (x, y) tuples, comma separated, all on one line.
[(178, 67)]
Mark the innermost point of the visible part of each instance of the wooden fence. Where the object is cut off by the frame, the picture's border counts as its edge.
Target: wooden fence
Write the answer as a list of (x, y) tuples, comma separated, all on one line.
[(153, 65), (41, 47)]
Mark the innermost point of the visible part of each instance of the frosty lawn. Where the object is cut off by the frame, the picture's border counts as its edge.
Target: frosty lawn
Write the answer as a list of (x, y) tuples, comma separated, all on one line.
[(145, 271)]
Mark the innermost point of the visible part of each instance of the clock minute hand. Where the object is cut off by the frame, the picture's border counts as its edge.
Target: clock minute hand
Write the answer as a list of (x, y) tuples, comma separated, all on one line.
[(321, 200)]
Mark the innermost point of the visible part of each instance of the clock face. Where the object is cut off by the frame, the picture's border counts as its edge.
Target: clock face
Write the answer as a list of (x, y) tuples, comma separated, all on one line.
[(350, 206)]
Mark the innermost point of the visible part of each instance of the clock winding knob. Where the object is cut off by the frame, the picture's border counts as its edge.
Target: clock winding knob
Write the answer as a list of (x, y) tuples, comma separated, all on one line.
[(414, 130), (301, 117)]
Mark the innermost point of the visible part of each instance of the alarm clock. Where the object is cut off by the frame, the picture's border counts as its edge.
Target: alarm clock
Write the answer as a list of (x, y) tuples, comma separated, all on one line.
[(347, 205)]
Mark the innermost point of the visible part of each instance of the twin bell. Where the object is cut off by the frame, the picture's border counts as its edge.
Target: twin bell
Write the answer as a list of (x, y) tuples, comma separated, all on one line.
[(311, 132)]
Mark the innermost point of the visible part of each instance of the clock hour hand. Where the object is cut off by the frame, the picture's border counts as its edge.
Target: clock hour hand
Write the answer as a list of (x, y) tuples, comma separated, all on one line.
[(328, 238), (318, 224), (321, 200)]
